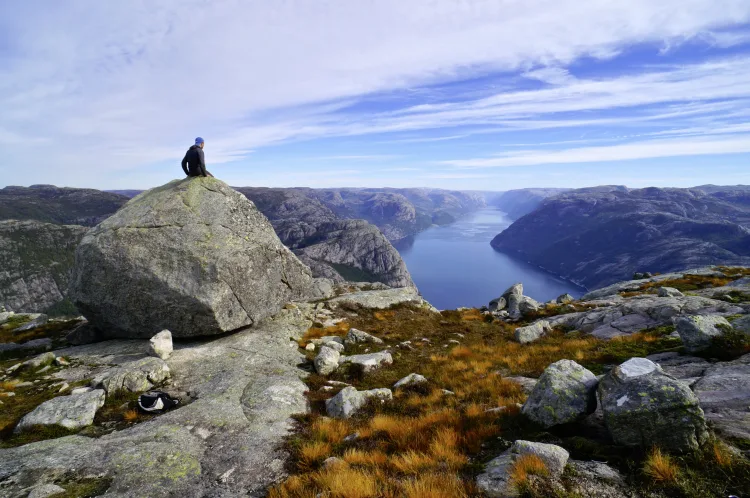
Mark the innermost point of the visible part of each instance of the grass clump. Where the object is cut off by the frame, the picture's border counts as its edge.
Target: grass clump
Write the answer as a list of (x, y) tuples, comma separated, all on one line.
[(526, 465), (661, 468), (689, 283)]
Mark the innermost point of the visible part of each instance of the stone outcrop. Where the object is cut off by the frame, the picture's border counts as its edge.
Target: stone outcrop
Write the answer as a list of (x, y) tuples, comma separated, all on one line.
[(35, 263), (565, 392), (645, 407), (192, 256), (71, 412), (698, 332)]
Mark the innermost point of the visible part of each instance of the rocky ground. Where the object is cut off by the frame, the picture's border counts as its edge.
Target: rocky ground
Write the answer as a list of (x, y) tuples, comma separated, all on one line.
[(372, 392)]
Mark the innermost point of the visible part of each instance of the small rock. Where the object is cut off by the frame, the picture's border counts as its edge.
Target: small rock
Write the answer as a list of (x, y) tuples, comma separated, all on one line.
[(310, 347), (533, 332), (81, 390), (351, 438), (42, 360), (564, 299), (43, 369), (327, 361), (496, 481), (698, 331), (527, 383), (368, 362), (565, 392), (45, 490), (337, 383), (669, 292), (355, 336), (61, 362), (326, 339), (64, 387), (332, 462), (335, 346), (349, 400), (71, 412), (161, 344), (410, 380)]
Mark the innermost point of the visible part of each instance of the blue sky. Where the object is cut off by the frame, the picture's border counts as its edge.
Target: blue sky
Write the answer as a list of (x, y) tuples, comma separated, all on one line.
[(487, 95)]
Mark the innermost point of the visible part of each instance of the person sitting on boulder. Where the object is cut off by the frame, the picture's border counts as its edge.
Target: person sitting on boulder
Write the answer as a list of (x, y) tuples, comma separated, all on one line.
[(194, 163)]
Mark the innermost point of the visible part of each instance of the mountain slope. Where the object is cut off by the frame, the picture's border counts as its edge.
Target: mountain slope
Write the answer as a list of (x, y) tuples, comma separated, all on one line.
[(602, 235), (61, 205), (517, 203)]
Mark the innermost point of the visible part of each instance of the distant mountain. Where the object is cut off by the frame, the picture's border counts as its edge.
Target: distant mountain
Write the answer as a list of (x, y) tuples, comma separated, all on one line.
[(61, 205), (517, 203), (127, 193), (340, 249), (35, 263), (601, 235)]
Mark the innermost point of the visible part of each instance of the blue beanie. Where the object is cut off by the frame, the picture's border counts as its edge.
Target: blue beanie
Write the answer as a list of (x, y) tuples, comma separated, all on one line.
[(198, 141)]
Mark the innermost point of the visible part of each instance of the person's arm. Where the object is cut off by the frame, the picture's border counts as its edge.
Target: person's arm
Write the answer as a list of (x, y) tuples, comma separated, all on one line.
[(184, 165), (202, 163)]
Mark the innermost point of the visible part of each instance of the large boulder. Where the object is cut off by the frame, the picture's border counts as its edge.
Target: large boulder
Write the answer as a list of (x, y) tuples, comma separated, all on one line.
[(697, 332), (643, 406), (565, 393), (531, 333), (192, 256)]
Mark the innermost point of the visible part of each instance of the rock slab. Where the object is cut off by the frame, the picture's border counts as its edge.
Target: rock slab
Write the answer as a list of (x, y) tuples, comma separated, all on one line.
[(698, 331), (71, 412)]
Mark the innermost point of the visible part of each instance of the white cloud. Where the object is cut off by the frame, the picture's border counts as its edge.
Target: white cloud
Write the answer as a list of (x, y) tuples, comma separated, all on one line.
[(101, 87)]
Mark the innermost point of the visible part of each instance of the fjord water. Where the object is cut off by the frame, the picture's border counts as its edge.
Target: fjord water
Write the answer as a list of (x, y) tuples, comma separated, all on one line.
[(454, 265)]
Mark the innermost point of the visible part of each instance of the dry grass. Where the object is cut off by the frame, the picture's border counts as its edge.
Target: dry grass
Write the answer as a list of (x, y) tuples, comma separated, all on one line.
[(722, 454), (423, 443), (131, 415), (525, 466), (7, 385), (660, 467), (689, 282)]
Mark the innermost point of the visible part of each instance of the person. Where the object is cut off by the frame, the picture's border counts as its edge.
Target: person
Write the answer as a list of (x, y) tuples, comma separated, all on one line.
[(194, 162)]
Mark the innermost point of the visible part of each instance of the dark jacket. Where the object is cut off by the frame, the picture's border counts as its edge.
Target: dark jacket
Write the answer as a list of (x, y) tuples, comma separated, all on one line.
[(194, 163)]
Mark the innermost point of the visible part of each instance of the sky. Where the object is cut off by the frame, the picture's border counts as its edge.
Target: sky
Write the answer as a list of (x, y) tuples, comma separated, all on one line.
[(459, 94)]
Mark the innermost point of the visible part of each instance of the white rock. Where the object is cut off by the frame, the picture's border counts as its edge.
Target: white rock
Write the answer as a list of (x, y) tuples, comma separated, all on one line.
[(71, 412), (327, 361), (81, 390), (45, 490), (635, 367), (669, 292), (310, 347), (161, 344), (369, 362), (410, 380), (334, 345), (355, 336), (349, 400)]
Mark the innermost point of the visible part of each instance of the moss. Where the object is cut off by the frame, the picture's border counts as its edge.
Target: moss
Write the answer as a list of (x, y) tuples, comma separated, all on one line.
[(88, 487), (36, 433), (728, 346)]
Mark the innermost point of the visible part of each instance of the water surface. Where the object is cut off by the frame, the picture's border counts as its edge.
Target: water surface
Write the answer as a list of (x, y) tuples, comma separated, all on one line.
[(454, 265)]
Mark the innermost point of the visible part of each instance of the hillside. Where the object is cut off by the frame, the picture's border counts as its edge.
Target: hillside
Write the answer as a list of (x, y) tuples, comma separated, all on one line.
[(518, 203), (60, 205), (601, 235)]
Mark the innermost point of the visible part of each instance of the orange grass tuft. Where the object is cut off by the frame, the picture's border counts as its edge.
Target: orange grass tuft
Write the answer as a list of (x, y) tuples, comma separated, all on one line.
[(660, 467), (433, 485), (312, 454), (722, 455), (130, 415), (527, 465)]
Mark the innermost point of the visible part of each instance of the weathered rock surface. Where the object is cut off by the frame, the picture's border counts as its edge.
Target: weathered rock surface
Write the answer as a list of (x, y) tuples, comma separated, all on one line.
[(355, 336), (35, 263), (368, 362), (327, 360), (496, 482), (379, 299), (200, 260), (135, 376), (45, 490), (565, 392), (71, 412), (697, 332), (349, 400), (244, 388), (669, 292), (526, 383), (410, 380), (532, 332), (623, 316), (644, 407), (161, 344)]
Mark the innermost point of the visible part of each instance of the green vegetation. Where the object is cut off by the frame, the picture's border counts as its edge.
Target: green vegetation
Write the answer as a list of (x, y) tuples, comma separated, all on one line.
[(353, 274)]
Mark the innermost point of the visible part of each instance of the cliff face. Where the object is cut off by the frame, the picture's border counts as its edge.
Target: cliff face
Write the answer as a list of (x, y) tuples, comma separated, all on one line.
[(340, 249), (35, 263), (518, 203), (65, 206), (602, 235)]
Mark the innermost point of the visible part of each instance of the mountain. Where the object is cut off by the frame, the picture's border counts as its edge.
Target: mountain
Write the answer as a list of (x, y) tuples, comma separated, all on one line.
[(340, 249), (35, 263), (597, 236), (127, 193), (61, 205), (517, 203)]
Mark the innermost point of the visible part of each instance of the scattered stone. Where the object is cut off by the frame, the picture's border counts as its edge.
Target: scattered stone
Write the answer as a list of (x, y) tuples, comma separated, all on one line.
[(351, 438), (81, 390), (64, 387), (61, 362), (70, 412), (410, 380), (337, 383), (496, 482), (698, 331), (669, 292), (326, 339), (355, 336), (349, 400), (310, 346), (497, 304), (565, 392), (160, 345), (135, 376), (332, 462), (368, 362), (45, 490), (42, 360), (564, 299), (645, 407), (334, 345), (527, 383), (528, 305), (327, 360), (531, 333)]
